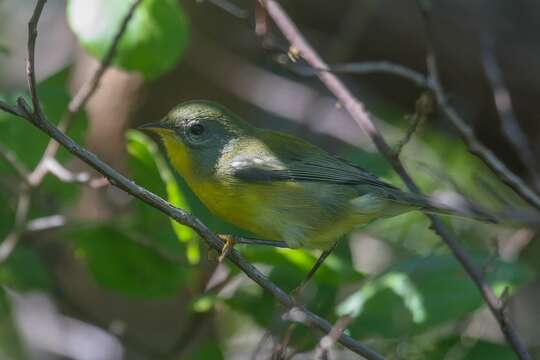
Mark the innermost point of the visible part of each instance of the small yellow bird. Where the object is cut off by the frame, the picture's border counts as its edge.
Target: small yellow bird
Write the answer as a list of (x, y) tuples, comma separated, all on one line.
[(275, 185)]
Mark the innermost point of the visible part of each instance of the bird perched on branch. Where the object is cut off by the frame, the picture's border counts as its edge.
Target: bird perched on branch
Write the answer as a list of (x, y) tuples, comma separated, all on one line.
[(275, 185)]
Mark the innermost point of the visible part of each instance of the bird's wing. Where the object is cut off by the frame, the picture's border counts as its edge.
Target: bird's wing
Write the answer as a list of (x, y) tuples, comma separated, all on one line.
[(289, 158)]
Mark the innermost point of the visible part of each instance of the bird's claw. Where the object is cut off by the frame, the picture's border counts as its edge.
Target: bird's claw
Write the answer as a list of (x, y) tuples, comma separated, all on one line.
[(229, 244)]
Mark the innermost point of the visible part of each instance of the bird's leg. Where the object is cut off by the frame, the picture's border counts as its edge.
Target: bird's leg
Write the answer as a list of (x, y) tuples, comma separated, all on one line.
[(229, 241), (318, 263)]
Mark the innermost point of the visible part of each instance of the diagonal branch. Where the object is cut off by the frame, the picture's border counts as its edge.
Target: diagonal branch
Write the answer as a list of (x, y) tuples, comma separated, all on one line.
[(84, 94), (503, 102), (363, 119), (125, 184), (432, 82), (495, 304)]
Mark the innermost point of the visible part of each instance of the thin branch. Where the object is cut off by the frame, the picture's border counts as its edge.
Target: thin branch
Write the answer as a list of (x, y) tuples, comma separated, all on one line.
[(424, 108), (361, 68), (495, 304), (503, 102), (84, 94), (362, 118), (187, 219), (30, 61), (11, 158), (326, 343), (88, 89), (54, 167), (467, 132), (46, 223), (9, 109), (21, 217), (433, 83)]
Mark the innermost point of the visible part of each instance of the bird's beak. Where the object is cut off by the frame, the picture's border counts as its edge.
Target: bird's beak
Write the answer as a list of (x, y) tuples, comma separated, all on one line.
[(157, 127)]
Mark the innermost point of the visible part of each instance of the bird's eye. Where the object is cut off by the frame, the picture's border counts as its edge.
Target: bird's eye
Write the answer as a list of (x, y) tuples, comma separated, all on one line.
[(196, 129)]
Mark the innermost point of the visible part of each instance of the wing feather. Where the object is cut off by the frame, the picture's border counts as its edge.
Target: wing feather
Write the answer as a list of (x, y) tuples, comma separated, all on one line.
[(287, 158)]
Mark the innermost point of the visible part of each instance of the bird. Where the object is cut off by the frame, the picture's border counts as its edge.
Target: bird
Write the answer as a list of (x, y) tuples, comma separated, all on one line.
[(275, 185)]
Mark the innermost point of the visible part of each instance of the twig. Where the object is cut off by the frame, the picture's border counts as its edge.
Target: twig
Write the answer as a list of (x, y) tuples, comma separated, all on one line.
[(21, 216), (9, 109), (363, 68), (495, 305), (424, 108), (326, 343), (362, 118), (83, 95), (467, 132), (503, 102), (31, 45), (45, 223), (63, 174), (280, 348), (11, 158)]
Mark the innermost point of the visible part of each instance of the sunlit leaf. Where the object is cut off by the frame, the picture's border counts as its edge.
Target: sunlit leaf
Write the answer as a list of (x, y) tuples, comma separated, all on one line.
[(421, 293), (153, 42)]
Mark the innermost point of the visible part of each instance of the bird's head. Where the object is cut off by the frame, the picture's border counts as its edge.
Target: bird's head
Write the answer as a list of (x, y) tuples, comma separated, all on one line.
[(195, 134)]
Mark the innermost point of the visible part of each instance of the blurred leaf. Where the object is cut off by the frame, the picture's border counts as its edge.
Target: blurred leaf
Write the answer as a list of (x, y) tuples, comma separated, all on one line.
[(207, 350), (469, 349), (24, 270), (421, 293), (7, 212), (143, 149), (119, 263), (4, 50), (203, 303), (10, 344), (153, 42)]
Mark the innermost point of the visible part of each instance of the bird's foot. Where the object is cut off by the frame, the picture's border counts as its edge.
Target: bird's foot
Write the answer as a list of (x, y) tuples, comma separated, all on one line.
[(229, 244)]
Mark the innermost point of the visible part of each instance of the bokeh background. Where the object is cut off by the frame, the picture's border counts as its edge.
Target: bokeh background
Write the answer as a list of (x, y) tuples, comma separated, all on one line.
[(114, 279)]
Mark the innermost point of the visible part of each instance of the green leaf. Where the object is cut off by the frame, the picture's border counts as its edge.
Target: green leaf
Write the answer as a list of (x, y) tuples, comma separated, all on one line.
[(24, 270), (4, 50), (119, 263), (207, 350), (153, 42), (421, 293), (145, 150), (469, 349)]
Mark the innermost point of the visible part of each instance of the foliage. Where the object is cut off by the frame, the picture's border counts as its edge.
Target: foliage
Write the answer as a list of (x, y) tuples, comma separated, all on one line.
[(140, 255)]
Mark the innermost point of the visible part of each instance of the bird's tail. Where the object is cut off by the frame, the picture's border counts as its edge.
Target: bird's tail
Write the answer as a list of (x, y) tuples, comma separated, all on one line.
[(460, 207)]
